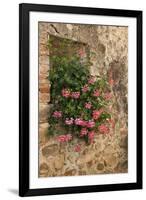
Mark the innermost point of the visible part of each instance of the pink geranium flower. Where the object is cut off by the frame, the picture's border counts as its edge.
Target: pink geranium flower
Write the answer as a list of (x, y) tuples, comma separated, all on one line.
[(85, 88), (69, 121), (57, 114), (103, 129), (96, 93), (77, 148), (83, 132), (69, 137), (90, 124), (80, 122), (66, 93), (64, 138), (83, 123), (91, 135), (88, 105), (96, 114), (91, 80), (75, 95)]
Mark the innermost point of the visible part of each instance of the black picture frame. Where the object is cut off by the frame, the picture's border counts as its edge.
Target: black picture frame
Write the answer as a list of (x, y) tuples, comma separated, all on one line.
[(24, 10)]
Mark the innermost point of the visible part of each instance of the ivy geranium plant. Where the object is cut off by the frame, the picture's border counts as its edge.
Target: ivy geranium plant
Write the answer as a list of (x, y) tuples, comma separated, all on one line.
[(79, 100)]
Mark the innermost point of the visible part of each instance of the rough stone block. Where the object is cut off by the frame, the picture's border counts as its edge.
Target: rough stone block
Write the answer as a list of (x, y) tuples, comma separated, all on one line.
[(43, 26), (43, 112), (50, 150), (43, 76), (43, 38), (43, 59), (44, 169), (43, 49), (44, 87), (44, 97), (43, 129), (43, 68), (59, 162)]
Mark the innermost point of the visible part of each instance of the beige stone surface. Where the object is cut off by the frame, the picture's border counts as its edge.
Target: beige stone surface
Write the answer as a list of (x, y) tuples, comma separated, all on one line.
[(43, 130), (44, 97), (43, 112)]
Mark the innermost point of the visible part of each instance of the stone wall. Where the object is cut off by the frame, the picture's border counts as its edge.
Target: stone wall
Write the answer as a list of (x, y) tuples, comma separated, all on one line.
[(108, 154)]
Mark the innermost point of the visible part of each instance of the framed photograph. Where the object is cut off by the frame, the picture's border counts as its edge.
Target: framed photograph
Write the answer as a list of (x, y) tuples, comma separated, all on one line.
[(80, 99)]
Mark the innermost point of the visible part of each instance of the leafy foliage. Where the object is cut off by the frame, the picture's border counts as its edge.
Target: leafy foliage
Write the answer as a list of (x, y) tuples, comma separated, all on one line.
[(75, 94)]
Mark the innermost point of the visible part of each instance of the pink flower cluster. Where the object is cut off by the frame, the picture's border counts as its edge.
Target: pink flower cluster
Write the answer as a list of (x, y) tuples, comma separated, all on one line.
[(75, 95), (57, 114), (64, 138), (90, 124), (85, 88), (66, 93), (80, 122), (96, 93), (96, 114), (87, 127), (77, 148), (83, 132), (91, 135), (88, 105), (103, 129), (69, 121)]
